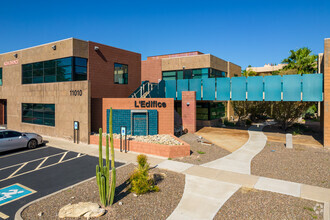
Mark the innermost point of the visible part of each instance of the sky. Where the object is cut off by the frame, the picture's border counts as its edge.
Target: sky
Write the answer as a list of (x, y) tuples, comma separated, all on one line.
[(246, 32)]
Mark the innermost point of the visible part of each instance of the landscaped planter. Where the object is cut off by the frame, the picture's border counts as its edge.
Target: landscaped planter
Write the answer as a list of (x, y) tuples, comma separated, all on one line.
[(170, 151)]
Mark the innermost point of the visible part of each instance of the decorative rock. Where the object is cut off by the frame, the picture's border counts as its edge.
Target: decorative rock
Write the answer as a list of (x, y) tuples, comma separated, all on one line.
[(289, 141), (134, 195), (72, 197), (163, 139), (120, 203), (40, 214), (86, 209)]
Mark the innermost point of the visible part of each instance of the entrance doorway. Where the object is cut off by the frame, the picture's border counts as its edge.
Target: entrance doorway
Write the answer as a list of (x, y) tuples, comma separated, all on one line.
[(3, 112), (140, 123)]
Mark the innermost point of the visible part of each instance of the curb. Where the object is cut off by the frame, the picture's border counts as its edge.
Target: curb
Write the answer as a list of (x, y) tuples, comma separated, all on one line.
[(19, 211)]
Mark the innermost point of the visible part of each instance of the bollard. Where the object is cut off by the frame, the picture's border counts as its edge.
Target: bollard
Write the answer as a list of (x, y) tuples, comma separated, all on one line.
[(289, 141)]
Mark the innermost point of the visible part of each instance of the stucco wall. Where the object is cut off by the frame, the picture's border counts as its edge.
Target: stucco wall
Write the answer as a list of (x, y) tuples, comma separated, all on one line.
[(67, 108)]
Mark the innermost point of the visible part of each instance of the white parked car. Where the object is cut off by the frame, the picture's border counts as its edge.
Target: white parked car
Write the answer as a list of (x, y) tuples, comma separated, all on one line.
[(10, 140)]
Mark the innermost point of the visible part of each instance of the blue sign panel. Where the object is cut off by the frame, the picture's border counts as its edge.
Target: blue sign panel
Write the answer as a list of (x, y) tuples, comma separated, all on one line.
[(238, 88), (255, 88), (123, 131), (223, 89), (170, 89), (209, 89), (312, 87), (292, 88), (14, 192), (183, 85), (196, 85)]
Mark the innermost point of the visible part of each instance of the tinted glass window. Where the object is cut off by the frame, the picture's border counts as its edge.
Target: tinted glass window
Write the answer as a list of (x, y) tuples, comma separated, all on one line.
[(121, 74), (0, 76), (11, 134), (42, 114), (1, 135), (64, 69)]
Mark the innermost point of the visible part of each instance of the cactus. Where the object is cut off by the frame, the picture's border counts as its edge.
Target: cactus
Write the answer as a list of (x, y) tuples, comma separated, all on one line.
[(106, 190)]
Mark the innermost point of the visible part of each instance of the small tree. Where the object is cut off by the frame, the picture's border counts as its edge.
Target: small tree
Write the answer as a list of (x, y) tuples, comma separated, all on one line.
[(286, 113), (140, 180), (302, 60)]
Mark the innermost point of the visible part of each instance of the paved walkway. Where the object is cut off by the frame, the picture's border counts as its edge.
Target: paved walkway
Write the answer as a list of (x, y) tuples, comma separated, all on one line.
[(208, 188), (199, 202), (240, 160)]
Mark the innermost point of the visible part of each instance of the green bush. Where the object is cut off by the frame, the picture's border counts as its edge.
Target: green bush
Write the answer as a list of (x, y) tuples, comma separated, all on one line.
[(248, 122), (228, 123), (140, 180)]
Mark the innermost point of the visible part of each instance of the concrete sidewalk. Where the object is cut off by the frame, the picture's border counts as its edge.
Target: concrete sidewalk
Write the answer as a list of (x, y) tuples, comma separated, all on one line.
[(207, 188), (240, 160), (93, 150)]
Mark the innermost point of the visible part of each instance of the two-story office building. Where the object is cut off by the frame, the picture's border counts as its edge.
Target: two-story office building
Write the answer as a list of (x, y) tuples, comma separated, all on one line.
[(46, 88), (192, 65)]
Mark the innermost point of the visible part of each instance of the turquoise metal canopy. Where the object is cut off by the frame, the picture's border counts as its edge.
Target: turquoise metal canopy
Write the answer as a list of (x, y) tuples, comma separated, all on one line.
[(308, 87)]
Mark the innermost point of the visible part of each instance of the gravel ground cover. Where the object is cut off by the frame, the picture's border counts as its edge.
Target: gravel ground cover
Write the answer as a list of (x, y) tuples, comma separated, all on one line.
[(201, 153), (164, 139), (157, 205), (302, 164), (255, 204)]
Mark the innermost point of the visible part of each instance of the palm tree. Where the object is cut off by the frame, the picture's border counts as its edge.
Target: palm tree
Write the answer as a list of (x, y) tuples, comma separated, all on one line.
[(302, 60)]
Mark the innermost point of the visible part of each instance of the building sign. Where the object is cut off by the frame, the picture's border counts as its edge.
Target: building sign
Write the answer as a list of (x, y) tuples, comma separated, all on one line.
[(76, 92), (14, 192), (149, 104), (11, 62)]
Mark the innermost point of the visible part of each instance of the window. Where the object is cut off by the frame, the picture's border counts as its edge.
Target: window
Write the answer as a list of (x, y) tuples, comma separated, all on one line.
[(202, 73), (11, 134), (210, 110), (121, 74), (42, 114), (0, 76), (59, 70), (170, 75)]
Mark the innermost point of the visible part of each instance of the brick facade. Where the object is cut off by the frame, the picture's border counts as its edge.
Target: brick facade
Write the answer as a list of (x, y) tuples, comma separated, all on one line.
[(101, 71), (165, 115), (326, 104), (189, 111), (151, 70)]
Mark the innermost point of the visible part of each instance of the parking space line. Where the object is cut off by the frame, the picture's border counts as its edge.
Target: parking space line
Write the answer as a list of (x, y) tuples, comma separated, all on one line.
[(41, 163), (11, 176), (3, 216), (17, 170), (24, 152), (63, 157), (15, 165)]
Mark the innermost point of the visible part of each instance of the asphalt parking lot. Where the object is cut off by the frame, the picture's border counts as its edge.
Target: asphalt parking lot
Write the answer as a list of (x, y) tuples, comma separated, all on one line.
[(27, 175)]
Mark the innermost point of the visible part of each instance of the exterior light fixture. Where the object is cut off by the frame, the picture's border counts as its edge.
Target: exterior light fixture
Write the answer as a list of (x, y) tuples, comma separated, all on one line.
[(96, 48), (188, 103), (15, 55), (54, 47)]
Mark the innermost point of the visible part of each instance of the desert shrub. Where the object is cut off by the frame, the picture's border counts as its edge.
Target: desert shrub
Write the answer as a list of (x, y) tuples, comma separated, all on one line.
[(228, 123), (140, 180)]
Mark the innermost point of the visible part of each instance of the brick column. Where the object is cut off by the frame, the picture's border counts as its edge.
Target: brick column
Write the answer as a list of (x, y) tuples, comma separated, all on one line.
[(189, 111), (326, 104)]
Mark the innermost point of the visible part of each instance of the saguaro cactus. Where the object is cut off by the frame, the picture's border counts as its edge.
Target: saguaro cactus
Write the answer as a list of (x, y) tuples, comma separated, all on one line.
[(106, 191)]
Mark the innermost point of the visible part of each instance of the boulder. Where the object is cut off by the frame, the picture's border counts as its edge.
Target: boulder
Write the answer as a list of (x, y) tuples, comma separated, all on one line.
[(86, 209)]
